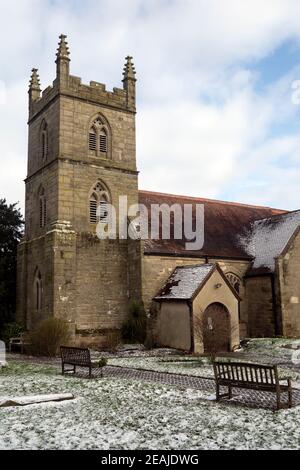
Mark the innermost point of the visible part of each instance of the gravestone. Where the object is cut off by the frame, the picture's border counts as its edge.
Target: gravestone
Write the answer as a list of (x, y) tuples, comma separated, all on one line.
[(2, 354)]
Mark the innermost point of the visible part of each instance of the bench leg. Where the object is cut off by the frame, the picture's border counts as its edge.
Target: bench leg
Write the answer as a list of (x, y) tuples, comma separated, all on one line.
[(225, 395), (290, 393), (217, 392), (278, 399), (90, 372), (63, 369)]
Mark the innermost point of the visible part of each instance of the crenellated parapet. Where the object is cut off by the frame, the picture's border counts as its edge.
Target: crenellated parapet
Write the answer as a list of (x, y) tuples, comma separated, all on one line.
[(72, 86)]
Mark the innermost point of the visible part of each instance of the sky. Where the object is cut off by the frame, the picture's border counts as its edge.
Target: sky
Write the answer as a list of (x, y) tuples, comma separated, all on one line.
[(216, 110)]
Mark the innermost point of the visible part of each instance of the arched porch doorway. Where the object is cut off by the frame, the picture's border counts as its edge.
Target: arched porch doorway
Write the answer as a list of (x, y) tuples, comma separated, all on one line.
[(216, 329)]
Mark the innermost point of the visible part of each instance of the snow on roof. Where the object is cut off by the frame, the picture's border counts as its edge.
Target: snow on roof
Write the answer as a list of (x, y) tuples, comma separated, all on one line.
[(267, 239), (184, 281)]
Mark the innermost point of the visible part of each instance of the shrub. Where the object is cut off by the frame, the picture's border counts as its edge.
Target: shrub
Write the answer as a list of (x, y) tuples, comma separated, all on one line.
[(149, 342), (11, 330), (102, 362), (48, 336), (135, 327)]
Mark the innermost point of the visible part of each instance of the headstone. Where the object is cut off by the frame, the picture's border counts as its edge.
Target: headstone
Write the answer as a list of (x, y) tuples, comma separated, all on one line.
[(296, 357), (2, 354), (34, 400)]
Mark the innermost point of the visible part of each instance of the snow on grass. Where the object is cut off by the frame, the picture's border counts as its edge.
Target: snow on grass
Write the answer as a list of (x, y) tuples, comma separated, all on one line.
[(199, 367), (280, 348), (123, 414)]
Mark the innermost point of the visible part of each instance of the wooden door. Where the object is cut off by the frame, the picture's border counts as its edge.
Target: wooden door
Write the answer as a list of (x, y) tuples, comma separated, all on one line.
[(216, 329)]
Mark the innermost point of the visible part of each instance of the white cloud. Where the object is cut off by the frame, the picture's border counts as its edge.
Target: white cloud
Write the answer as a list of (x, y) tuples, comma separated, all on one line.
[(206, 150), (202, 128), (2, 93)]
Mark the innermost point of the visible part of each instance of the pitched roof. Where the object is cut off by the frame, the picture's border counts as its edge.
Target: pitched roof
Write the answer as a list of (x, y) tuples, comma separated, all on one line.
[(187, 281), (266, 240), (184, 282), (225, 222)]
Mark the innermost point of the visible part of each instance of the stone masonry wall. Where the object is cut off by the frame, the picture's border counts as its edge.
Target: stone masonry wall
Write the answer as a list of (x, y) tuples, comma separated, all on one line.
[(48, 179), (21, 283), (32, 255), (259, 300), (75, 184), (289, 281), (76, 118), (51, 115), (92, 285)]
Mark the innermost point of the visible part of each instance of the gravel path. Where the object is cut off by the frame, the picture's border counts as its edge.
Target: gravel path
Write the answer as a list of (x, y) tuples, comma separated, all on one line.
[(248, 398)]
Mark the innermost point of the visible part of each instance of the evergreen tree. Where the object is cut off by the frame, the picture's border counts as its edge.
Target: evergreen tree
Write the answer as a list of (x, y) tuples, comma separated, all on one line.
[(11, 230)]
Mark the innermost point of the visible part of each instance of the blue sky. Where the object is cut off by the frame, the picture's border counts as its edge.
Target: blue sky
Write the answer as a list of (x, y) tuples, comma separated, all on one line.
[(271, 68), (215, 112)]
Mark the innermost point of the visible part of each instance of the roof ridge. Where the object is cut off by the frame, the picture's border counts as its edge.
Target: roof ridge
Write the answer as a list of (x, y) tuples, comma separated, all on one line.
[(239, 204), (277, 215), (200, 265)]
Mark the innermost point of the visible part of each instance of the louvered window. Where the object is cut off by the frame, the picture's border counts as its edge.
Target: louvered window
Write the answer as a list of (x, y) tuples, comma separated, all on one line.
[(93, 211), (92, 141), (103, 143), (103, 211), (98, 138), (99, 205), (43, 211)]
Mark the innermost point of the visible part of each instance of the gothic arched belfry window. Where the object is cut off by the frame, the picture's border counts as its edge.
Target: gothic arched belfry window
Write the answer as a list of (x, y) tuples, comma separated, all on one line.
[(99, 198), (99, 138)]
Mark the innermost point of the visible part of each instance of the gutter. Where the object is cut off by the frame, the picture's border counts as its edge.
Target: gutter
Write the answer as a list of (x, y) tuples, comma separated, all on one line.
[(196, 256), (190, 304)]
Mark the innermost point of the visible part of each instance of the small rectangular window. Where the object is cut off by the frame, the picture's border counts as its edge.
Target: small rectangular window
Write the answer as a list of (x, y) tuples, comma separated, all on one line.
[(103, 143), (41, 213), (45, 144), (93, 212), (92, 141), (44, 213)]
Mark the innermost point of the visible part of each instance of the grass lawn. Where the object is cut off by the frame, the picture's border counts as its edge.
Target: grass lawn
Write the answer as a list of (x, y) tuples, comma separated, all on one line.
[(199, 367), (123, 414)]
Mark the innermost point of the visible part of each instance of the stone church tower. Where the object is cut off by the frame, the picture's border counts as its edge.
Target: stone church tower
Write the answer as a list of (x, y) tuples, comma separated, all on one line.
[(81, 154)]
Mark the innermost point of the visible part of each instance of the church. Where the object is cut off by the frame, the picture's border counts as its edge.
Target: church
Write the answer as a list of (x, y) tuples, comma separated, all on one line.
[(244, 281)]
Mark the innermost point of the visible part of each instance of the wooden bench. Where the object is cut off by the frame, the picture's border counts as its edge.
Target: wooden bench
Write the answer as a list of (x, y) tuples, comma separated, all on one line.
[(253, 377), (77, 357), (19, 342)]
